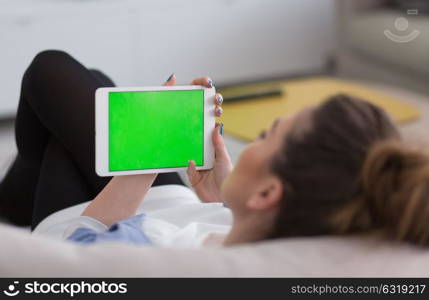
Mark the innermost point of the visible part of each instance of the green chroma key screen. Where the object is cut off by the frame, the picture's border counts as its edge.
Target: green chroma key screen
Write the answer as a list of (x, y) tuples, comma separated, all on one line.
[(155, 129)]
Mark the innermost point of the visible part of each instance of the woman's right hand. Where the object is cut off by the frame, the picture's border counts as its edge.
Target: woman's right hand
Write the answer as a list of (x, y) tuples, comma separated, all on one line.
[(207, 183)]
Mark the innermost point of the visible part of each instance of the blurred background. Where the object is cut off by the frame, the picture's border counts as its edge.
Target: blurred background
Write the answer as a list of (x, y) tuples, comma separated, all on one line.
[(382, 44), (141, 42)]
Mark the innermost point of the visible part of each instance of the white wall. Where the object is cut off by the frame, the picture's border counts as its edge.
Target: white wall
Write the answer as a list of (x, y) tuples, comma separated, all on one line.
[(141, 42)]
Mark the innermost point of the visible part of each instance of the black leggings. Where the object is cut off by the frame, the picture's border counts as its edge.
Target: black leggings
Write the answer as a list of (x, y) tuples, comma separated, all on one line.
[(54, 130)]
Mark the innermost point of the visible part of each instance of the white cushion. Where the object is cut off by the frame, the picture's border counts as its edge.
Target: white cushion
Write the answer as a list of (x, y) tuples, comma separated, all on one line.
[(24, 255)]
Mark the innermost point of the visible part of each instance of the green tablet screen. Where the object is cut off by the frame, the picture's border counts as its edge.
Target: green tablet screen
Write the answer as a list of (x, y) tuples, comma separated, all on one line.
[(155, 129)]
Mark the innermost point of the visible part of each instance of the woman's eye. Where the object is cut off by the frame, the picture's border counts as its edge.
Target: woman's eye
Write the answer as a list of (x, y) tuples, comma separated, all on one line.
[(263, 134)]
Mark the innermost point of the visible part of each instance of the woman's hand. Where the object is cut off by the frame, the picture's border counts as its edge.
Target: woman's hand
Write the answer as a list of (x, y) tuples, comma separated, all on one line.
[(207, 183)]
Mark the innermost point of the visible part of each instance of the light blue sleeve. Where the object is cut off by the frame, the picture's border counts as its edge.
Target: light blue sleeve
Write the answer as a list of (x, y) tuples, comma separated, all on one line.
[(128, 231)]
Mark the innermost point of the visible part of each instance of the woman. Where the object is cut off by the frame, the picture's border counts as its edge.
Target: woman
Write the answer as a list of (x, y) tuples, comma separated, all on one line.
[(336, 169)]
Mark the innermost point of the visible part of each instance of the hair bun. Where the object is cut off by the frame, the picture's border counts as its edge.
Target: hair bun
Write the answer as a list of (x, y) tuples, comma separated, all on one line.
[(395, 182)]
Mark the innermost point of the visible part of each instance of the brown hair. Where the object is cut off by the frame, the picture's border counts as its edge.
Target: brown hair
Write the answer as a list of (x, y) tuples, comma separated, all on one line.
[(351, 173)]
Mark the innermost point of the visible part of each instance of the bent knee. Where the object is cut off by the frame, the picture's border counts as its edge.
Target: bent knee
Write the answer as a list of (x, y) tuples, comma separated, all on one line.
[(43, 69)]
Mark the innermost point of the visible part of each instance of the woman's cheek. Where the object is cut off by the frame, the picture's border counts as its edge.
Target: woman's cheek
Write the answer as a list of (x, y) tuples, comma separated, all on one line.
[(246, 171), (246, 157), (232, 186), (243, 171), (233, 191), (249, 161)]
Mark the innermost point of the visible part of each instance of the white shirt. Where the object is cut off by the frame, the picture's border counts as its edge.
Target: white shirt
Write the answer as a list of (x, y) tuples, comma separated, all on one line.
[(173, 217)]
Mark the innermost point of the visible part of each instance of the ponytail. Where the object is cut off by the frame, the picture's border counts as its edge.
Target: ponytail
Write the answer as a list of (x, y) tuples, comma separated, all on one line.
[(394, 196)]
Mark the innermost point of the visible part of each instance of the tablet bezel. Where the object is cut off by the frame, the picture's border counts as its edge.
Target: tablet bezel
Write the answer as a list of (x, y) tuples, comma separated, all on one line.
[(102, 127)]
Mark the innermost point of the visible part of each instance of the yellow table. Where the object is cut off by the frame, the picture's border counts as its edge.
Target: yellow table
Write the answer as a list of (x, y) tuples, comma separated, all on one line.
[(246, 119)]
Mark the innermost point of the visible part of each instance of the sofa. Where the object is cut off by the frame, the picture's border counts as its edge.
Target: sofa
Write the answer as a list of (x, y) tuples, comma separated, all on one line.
[(24, 255)]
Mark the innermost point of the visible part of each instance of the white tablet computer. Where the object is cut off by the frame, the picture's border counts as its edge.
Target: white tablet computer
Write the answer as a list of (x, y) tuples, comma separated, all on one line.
[(153, 129)]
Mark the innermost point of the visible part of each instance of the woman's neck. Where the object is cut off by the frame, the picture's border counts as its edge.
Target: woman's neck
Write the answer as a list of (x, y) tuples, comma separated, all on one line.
[(248, 230)]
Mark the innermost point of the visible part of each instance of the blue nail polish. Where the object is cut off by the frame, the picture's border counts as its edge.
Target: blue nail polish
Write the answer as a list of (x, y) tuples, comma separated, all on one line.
[(219, 110), (169, 78), (221, 129), (219, 99), (210, 83)]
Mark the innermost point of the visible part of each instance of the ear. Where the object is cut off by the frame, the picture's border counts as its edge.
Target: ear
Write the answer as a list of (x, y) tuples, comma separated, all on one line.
[(268, 196)]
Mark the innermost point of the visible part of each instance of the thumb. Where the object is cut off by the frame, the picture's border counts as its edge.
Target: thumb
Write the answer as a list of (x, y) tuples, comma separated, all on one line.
[(171, 80), (193, 175), (191, 170), (218, 143)]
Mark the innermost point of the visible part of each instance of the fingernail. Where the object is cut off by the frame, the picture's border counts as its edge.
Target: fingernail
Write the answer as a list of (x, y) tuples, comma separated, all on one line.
[(221, 129), (218, 110), (219, 99), (210, 83), (169, 78)]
